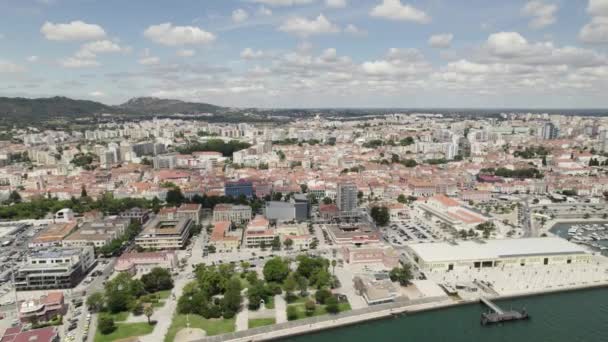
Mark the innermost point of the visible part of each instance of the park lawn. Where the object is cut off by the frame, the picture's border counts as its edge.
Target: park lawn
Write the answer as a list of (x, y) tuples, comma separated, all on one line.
[(120, 316), (125, 330), (211, 326), (261, 322)]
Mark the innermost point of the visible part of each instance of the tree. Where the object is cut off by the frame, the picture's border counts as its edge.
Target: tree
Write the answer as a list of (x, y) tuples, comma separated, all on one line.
[(289, 286), (14, 197), (106, 324), (276, 270), (158, 279), (95, 301), (333, 266), (401, 274), (83, 191), (327, 200), (380, 215), (211, 249), (120, 293), (310, 307), (276, 243), (402, 199), (303, 286), (175, 196), (288, 243), (332, 305), (322, 295), (232, 298), (263, 245)]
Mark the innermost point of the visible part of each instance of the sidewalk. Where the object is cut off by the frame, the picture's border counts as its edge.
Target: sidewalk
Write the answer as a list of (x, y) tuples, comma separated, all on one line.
[(280, 307)]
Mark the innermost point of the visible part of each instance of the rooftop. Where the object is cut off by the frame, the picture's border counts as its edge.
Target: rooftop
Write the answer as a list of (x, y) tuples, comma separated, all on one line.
[(494, 249)]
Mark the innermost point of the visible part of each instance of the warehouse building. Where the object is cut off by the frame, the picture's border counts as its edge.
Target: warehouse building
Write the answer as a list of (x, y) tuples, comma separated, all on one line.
[(445, 256)]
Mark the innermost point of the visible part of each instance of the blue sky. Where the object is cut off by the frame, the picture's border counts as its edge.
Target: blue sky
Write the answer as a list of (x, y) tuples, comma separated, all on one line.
[(310, 53)]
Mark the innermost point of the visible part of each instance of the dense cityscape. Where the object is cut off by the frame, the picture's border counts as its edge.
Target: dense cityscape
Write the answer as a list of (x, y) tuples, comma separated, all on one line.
[(214, 228), (202, 179)]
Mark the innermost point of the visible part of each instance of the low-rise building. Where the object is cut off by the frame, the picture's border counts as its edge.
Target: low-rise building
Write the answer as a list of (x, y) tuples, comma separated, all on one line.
[(297, 233), (159, 234), (258, 233), (387, 256), (18, 334), (223, 239), (375, 291), (53, 235), (136, 215), (234, 213), (142, 263), (43, 309), (54, 268), (190, 211), (97, 233)]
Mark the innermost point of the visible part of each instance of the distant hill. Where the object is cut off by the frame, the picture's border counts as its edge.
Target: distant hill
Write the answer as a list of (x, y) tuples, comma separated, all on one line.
[(153, 105), (22, 109), (43, 109)]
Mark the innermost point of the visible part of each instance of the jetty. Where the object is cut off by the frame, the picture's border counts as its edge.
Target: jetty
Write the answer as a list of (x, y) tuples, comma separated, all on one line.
[(497, 315)]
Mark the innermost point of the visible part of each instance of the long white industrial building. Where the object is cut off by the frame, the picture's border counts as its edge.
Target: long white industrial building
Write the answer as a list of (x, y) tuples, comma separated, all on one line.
[(444, 256)]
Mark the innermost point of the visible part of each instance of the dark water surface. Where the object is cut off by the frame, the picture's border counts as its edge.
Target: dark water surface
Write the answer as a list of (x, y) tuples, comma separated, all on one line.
[(579, 316)]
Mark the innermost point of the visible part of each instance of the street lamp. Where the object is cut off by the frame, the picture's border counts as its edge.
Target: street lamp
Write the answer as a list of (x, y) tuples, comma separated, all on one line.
[(188, 314)]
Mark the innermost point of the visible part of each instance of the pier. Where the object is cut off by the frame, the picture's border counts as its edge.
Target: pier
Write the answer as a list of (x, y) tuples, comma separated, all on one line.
[(497, 315)]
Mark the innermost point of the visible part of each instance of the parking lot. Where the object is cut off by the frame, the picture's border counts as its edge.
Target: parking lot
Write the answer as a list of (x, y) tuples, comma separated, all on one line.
[(409, 231)]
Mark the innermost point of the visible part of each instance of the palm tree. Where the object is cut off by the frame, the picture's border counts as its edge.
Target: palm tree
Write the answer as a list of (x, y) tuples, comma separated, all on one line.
[(148, 311), (333, 266)]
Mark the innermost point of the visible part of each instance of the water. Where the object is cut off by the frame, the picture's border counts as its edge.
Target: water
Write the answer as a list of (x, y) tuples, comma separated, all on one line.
[(561, 230), (580, 316)]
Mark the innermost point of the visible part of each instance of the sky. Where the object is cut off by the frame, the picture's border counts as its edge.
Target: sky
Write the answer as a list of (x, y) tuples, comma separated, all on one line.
[(310, 53)]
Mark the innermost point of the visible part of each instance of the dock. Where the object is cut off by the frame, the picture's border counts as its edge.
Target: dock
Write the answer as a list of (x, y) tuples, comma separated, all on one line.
[(498, 315)]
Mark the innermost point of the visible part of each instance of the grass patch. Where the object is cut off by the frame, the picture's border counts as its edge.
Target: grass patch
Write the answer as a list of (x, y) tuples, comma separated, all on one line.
[(270, 303), (320, 310), (125, 330), (211, 326), (119, 316), (261, 322), (163, 294)]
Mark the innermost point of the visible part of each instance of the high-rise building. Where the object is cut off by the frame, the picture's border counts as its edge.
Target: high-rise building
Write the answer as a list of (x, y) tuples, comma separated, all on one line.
[(549, 131), (346, 198)]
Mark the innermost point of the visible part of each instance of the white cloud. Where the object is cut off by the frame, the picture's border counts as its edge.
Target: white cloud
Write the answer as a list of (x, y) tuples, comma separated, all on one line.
[(336, 3), (398, 62), (283, 2), (354, 30), (148, 59), (10, 67), (542, 14), (395, 10), (73, 62), (513, 48), (595, 32), (32, 59), (185, 53), (598, 8), (239, 15), (75, 30), (441, 41), (170, 35), (304, 27), (91, 49), (264, 11), (249, 53), (97, 93)]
